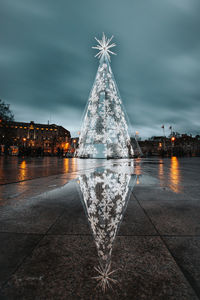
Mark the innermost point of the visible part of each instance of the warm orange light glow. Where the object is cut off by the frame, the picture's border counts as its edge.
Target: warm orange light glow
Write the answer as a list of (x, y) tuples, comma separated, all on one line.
[(137, 166), (137, 132), (175, 175), (24, 139), (66, 146), (66, 165), (23, 170), (161, 172), (74, 141), (13, 150), (173, 139), (160, 145), (74, 165)]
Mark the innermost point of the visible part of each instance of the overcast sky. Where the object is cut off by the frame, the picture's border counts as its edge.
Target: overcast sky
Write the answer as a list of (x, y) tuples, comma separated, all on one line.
[(47, 66)]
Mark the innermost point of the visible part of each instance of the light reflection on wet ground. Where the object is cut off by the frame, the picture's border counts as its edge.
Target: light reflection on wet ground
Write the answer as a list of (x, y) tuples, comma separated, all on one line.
[(175, 175), (21, 169), (14, 169), (100, 229), (105, 195)]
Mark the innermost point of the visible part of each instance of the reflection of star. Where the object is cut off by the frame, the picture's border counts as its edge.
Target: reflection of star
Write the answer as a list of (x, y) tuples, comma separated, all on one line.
[(104, 277), (104, 47)]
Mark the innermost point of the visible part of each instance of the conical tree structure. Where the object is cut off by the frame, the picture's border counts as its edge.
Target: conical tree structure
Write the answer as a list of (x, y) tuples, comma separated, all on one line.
[(104, 132), (105, 195)]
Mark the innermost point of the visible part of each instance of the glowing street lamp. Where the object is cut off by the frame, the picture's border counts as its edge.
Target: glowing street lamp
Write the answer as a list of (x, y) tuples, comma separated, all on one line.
[(24, 140), (172, 148), (136, 135)]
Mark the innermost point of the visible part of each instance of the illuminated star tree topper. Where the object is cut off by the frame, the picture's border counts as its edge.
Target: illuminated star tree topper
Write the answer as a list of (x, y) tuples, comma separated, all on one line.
[(104, 47), (104, 131)]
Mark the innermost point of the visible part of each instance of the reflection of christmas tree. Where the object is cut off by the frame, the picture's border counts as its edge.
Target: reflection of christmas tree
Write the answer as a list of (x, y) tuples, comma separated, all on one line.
[(104, 132), (105, 196)]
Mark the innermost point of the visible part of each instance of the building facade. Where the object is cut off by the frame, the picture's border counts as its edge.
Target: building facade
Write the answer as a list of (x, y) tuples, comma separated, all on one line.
[(176, 144), (35, 138)]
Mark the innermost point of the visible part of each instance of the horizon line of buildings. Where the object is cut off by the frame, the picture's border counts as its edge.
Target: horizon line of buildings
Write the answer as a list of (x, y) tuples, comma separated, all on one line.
[(30, 138), (35, 138)]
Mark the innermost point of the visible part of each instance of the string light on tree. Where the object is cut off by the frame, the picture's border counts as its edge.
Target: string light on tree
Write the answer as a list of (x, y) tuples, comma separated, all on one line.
[(104, 132), (105, 197)]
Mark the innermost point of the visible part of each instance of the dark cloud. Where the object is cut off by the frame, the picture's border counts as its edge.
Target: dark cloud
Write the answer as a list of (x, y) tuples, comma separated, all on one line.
[(47, 66)]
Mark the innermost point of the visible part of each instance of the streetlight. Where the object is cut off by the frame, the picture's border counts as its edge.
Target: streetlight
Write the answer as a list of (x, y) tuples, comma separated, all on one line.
[(136, 135), (24, 140), (172, 141)]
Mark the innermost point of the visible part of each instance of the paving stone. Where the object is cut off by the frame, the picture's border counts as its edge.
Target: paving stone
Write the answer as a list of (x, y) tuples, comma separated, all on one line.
[(72, 221), (14, 248), (160, 193), (145, 270), (31, 219), (135, 221), (174, 217), (186, 251)]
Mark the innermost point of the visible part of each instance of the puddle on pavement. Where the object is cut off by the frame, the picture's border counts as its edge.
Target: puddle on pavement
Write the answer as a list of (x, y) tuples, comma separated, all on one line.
[(105, 193)]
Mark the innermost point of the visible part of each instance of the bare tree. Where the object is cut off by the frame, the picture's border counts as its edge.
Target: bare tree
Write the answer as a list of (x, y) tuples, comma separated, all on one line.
[(5, 113)]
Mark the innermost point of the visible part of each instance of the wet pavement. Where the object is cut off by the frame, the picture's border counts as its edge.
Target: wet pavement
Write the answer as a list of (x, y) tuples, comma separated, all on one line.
[(99, 229)]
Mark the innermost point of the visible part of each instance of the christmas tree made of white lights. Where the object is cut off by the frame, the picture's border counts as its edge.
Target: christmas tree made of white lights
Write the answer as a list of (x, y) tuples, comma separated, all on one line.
[(105, 195), (104, 132)]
